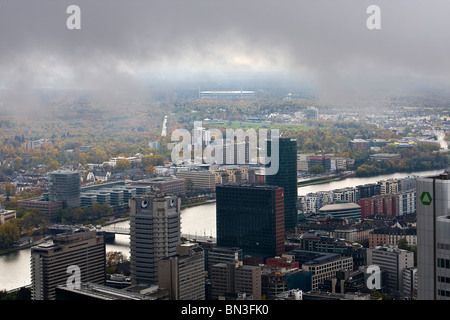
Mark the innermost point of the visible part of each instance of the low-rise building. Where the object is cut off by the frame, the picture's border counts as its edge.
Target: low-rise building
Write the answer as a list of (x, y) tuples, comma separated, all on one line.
[(392, 236), (323, 265), (392, 261), (6, 215)]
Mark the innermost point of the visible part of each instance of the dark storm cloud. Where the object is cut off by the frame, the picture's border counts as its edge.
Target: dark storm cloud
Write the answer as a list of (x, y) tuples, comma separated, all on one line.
[(326, 40)]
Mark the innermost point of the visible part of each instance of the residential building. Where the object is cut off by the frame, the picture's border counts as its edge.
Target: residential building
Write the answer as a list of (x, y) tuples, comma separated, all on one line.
[(392, 236), (389, 186), (378, 205), (406, 202), (367, 191), (344, 195)]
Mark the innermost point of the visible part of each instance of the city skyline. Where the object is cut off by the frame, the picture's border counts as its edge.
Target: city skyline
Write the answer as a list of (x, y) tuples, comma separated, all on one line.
[(95, 97)]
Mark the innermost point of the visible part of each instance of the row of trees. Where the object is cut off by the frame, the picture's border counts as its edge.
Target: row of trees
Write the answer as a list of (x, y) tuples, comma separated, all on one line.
[(27, 222), (82, 215), (422, 157), (33, 221)]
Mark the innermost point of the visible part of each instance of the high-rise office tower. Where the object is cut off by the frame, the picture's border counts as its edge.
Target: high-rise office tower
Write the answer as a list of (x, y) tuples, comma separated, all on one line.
[(286, 177), (71, 258), (433, 237), (64, 185), (184, 273), (154, 234), (251, 218)]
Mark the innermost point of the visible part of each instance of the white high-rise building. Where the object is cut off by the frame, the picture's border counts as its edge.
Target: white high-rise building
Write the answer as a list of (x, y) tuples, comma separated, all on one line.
[(154, 234)]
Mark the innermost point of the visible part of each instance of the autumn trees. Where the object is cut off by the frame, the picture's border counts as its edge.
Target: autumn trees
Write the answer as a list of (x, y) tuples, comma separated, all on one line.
[(27, 222)]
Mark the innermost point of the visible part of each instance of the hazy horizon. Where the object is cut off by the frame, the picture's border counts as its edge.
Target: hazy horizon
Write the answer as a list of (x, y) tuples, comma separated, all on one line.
[(324, 44)]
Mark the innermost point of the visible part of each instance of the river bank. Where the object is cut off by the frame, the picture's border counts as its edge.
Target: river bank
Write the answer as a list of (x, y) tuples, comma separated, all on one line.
[(325, 179), (197, 221), (325, 184), (25, 246)]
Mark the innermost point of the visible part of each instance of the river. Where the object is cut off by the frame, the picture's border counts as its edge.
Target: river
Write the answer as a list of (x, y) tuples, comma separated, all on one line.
[(196, 221)]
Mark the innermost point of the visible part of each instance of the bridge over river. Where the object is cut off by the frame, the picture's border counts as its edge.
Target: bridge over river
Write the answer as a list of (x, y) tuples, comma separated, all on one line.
[(126, 231)]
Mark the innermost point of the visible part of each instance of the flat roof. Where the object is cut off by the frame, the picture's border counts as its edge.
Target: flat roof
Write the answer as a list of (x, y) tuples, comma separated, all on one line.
[(340, 206)]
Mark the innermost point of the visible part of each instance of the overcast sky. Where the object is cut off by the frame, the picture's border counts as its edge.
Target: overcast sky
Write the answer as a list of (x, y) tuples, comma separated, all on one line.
[(324, 40)]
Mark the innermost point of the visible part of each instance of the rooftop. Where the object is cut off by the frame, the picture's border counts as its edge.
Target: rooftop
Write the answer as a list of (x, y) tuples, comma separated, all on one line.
[(340, 206)]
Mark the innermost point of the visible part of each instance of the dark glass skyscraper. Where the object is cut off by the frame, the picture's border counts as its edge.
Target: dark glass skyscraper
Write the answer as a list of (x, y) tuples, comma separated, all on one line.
[(251, 218), (286, 177), (64, 185)]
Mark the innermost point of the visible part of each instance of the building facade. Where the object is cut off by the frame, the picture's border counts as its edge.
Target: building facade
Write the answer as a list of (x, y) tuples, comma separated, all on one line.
[(215, 255), (322, 265), (6, 215), (184, 273), (341, 211), (52, 263), (65, 186), (228, 278), (154, 234), (47, 207), (392, 261), (433, 261), (392, 236), (286, 177), (202, 180), (250, 217), (167, 185)]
